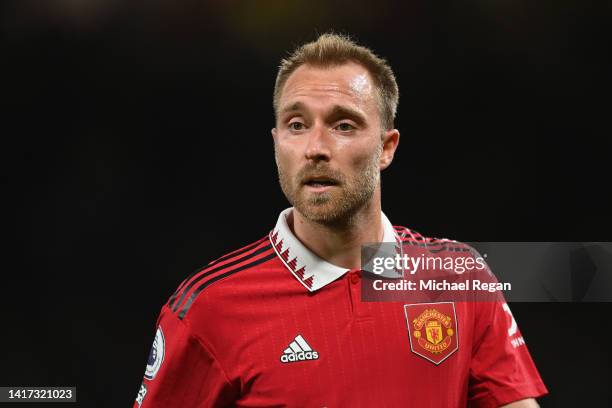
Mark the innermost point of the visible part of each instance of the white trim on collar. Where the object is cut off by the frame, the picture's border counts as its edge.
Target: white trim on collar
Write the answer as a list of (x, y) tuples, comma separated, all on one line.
[(308, 268)]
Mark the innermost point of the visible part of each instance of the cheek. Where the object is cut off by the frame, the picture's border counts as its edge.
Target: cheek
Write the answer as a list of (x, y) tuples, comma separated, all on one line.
[(360, 159), (285, 157)]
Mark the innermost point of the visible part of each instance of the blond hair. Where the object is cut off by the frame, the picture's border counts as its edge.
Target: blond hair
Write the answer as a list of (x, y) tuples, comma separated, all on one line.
[(334, 49)]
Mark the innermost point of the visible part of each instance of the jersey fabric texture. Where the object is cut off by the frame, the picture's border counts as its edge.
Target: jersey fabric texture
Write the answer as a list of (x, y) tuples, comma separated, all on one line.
[(274, 325)]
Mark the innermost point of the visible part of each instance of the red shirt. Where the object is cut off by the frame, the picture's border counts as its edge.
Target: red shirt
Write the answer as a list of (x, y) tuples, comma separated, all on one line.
[(273, 325)]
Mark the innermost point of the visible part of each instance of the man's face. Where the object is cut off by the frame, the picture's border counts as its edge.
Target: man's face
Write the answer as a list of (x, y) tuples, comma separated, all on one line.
[(327, 141)]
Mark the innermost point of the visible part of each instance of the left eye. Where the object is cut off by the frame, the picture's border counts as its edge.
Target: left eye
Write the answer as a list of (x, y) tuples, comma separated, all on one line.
[(345, 127)]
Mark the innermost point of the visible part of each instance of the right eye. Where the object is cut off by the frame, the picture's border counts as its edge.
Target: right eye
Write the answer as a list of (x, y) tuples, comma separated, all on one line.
[(296, 126)]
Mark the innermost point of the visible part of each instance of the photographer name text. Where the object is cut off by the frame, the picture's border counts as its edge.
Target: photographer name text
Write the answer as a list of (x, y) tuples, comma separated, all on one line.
[(441, 285)]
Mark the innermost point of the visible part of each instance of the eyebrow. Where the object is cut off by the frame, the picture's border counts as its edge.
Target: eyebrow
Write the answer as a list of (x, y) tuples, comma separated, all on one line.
[(336, 111), (296, 106), (344, 111)]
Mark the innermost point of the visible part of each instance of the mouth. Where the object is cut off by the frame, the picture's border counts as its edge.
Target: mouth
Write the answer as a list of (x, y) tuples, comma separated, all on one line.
[(319, 184)]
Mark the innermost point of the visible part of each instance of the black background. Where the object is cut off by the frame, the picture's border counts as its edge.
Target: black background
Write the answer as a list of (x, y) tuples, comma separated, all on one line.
[(136, 147)]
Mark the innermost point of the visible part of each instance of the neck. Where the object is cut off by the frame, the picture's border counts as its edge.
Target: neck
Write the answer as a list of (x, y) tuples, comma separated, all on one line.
[(340, 243)]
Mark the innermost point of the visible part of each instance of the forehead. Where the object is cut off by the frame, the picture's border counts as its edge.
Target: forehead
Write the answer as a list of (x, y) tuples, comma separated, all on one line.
[(349, 83)]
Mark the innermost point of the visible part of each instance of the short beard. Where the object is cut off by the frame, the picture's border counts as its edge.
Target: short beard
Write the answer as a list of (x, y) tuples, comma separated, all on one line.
[(334, 209)]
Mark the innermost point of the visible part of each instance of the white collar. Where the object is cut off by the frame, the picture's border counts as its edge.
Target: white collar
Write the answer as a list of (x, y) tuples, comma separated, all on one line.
[(308, 268)]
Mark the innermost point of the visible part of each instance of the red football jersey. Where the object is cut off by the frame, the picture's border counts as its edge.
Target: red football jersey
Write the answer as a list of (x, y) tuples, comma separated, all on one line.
[(274, 325)]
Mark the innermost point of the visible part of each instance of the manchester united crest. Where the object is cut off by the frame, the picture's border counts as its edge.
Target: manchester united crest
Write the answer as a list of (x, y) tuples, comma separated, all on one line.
[(432, 330)]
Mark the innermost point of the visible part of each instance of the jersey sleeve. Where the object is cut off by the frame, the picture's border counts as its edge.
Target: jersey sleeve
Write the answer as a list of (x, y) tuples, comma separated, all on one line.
[(182, 370), (501, 370)]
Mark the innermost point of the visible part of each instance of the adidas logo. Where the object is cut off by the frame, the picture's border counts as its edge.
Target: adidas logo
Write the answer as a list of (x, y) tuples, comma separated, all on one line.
[(298, 350)]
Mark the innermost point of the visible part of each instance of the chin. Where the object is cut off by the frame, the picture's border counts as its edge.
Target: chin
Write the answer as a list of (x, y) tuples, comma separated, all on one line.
[(322, 213)]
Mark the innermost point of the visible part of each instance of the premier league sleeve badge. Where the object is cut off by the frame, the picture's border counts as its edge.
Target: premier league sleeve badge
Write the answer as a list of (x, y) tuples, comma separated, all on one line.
[(156, 356)]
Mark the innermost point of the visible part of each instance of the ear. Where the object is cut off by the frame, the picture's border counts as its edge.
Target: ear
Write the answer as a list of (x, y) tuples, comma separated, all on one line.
[(274, 134), (390, 141)]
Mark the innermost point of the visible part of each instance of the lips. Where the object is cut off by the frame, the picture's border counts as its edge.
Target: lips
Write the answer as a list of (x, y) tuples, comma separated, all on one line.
[(320, 181)]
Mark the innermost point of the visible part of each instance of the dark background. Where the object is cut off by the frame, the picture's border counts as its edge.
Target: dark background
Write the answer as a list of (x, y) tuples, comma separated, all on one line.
[(136, 147)]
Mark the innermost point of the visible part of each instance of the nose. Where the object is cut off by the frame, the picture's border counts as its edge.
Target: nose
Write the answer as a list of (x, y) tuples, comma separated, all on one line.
[(318, 146)]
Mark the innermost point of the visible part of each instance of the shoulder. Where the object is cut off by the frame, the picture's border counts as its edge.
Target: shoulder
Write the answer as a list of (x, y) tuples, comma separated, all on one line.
[(232, 264), (411, 238)]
